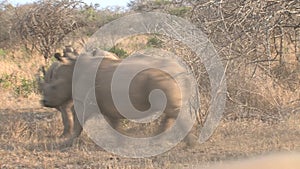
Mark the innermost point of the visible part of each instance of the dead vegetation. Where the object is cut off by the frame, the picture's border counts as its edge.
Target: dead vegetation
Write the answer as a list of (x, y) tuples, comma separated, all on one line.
[(46, 24), (24, 130)]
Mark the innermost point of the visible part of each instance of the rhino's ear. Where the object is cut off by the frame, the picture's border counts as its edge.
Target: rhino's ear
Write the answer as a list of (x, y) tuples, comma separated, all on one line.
[(58, 56), (61, 58), (68, 49)]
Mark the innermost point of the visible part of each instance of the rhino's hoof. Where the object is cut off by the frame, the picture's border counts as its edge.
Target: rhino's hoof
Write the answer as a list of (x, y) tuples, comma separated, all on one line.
[(191, 140)]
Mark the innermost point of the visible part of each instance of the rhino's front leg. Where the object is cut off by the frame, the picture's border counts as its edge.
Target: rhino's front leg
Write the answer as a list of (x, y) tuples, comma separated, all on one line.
[(72, 126), (67, 118)]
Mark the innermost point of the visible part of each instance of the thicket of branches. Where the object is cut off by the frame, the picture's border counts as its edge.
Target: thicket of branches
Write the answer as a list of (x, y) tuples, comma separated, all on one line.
[(252, 29), (256, 38), (256, 30), (261, 36), (6, 20), (47, 25)]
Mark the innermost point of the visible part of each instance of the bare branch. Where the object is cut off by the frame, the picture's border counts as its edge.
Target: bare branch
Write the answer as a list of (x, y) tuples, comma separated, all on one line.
[(47, 23)]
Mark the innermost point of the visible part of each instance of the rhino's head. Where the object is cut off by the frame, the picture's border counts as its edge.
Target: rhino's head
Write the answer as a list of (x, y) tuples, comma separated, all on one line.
[(57, 85)]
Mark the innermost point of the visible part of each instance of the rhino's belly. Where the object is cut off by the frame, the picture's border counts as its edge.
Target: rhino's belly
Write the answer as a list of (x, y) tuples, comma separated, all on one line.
[(139, 90)]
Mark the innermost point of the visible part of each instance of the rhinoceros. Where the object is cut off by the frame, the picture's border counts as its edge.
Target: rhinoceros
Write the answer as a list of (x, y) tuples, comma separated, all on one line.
[(57, 91)]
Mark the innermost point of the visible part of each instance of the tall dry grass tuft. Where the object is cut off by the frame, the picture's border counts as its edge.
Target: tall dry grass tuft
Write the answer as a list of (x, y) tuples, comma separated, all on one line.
[(18, 72), (257, 93)]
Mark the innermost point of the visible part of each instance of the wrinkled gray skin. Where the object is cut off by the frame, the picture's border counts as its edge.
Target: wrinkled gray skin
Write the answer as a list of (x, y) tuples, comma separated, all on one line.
[(57, 93), (72, 127)]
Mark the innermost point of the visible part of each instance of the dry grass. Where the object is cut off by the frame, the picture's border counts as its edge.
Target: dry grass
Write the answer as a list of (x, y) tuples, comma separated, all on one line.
[(274, 161), (22, 131)]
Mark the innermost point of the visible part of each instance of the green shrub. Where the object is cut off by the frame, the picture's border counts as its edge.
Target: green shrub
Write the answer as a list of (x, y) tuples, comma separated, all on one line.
[(2, 53), (20, 86), (162, 2), (180, 11), (155, 42), (7, 80), (121, 53), (26, 87)]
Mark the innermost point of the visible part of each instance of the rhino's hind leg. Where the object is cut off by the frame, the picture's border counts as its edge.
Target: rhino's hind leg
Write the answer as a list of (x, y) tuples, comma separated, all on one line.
[(115, 124), (77, 127), (191, 140), (169, 121)]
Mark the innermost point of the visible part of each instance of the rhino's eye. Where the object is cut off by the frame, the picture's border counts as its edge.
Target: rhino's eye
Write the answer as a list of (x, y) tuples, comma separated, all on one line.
[(53, 87)]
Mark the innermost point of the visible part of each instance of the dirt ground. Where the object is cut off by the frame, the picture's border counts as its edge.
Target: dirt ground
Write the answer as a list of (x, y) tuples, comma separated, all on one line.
[(24, 123)]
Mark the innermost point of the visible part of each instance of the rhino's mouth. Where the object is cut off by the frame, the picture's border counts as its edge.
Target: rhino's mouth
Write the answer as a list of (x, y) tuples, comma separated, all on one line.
[(45, 103)]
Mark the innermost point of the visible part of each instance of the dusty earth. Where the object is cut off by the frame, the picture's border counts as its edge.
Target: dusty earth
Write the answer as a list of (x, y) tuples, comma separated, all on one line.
[(25, 126)]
